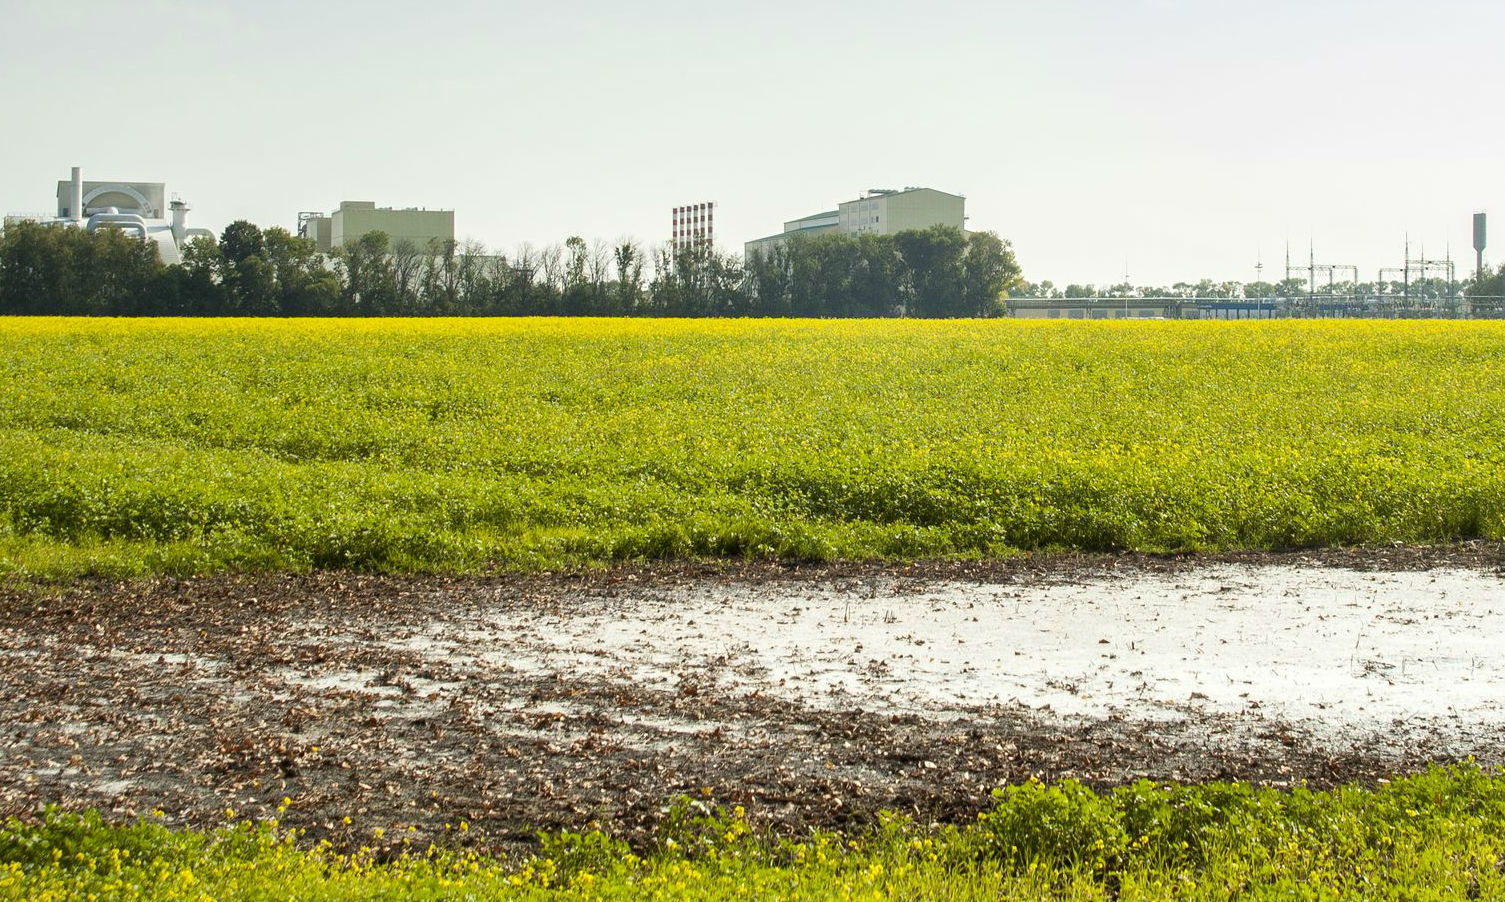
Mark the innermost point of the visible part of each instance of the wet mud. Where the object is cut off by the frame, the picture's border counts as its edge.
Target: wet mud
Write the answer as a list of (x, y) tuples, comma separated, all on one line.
[(811, 695)]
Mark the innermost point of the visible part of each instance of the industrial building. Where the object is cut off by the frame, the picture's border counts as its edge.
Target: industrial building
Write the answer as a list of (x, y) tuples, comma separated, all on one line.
[(138, 208), (354, 218), (880, 211), (1094, 308)]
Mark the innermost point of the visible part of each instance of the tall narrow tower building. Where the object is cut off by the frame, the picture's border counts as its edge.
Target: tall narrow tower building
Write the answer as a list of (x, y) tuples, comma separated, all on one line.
[(694, 226)]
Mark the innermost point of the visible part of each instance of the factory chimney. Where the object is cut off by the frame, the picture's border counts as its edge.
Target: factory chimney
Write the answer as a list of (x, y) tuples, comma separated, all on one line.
[(76, 200)]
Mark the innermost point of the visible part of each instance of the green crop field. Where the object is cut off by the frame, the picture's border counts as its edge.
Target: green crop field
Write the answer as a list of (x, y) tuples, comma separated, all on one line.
[(193, 445), (1437, 835)]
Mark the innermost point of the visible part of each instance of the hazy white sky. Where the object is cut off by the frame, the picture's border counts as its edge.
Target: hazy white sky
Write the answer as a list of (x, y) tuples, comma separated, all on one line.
[(1180, 138)]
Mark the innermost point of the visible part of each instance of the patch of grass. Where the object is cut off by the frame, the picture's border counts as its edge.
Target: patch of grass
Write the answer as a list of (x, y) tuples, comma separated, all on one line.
[(142, 446), (1437, 835)]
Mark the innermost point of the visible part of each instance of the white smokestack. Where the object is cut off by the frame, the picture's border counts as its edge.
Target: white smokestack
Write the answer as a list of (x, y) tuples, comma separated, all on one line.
[(76, 204)]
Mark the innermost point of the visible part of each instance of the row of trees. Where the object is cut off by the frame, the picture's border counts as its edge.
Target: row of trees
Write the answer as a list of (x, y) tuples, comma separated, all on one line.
[(938, 272), (934, 272), (46, 270)]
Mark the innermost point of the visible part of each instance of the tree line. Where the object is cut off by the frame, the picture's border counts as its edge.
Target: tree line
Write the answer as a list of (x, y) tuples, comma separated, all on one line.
[(935, 272), (248, 271)]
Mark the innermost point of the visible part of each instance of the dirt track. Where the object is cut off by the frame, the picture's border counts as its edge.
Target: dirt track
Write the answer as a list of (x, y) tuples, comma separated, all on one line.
[(420, 702)]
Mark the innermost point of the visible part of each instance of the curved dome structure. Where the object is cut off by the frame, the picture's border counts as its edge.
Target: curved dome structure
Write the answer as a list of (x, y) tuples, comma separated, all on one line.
[(140, 208)]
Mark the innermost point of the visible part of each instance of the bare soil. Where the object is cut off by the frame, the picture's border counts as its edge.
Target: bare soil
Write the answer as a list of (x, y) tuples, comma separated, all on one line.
[(355, 696)]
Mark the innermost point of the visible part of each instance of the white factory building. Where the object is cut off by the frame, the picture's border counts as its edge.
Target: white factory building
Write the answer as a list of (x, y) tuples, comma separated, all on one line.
[(137, 208), (880, 211)]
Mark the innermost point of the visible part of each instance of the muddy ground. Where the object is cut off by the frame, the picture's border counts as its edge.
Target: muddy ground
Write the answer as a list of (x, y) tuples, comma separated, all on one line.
[(412, 704)]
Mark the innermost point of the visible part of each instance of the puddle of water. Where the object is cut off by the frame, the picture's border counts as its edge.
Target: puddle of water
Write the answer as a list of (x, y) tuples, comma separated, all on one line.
[(1332, 648), (114, 787), (403, 692)]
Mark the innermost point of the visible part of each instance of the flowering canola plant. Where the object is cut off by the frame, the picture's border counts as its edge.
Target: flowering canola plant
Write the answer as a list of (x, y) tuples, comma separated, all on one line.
[(461, 445)]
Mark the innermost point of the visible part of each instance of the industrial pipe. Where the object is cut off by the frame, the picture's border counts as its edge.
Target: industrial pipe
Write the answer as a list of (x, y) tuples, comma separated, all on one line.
[(118, 221)]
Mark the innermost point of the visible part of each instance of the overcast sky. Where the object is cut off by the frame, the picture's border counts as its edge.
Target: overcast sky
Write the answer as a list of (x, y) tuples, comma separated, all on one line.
[(1179, 139)]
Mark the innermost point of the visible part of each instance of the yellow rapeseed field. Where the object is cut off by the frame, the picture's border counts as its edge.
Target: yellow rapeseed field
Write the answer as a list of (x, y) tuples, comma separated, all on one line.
[(150, 445)]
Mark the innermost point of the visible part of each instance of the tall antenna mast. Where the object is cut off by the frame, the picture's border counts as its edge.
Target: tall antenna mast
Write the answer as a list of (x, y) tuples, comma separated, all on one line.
[(1311, 271)]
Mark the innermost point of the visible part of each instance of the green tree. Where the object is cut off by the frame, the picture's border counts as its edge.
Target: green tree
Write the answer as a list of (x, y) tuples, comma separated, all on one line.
[(1290, 288), (935, 273), (768, 280), (1492, 285), (440, 291), (241, 239), (57, 270), (878, 279), (989, 272), (696, 281), (249, 281), (370, 284), (829, 263), (472, 278), (410, 270), (32, 269), (305, 286), (201, 277), (576, 289), (628, 258)]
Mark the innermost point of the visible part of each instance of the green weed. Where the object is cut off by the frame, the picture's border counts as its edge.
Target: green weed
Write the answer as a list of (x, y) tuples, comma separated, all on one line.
[(1437, 835)]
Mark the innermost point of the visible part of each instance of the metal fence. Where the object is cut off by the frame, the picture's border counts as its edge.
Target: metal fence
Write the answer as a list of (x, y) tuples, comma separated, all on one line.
[(1302, 307)]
